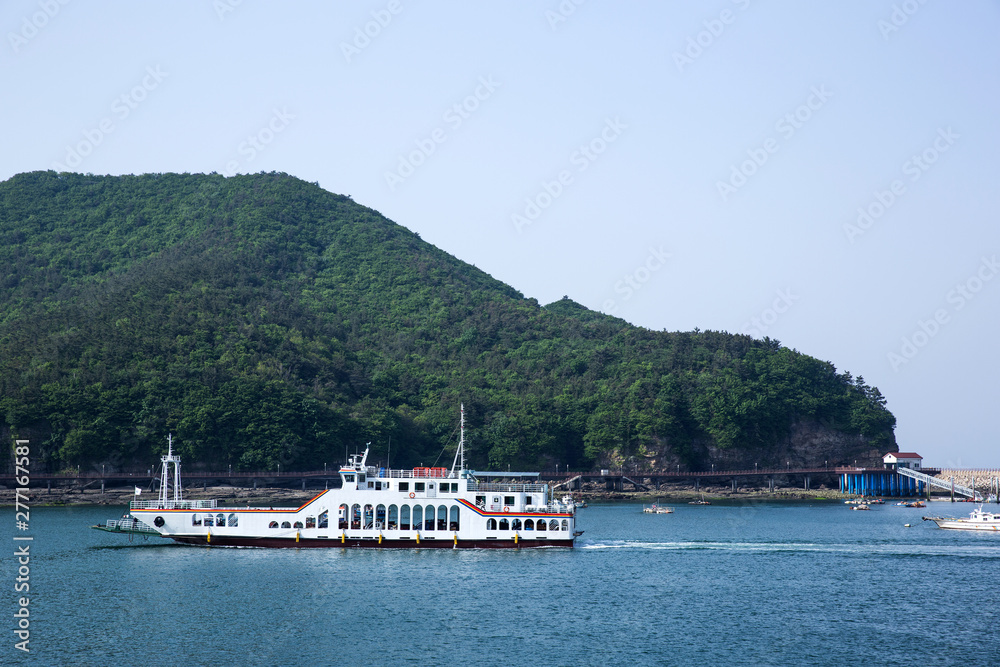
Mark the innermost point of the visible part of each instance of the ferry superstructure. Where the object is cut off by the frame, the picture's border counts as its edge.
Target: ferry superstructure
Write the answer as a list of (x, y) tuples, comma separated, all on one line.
[(374, 507)]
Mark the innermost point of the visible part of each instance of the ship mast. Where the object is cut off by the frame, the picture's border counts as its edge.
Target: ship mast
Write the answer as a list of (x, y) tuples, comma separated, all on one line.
[(460, 454), (165, 473)]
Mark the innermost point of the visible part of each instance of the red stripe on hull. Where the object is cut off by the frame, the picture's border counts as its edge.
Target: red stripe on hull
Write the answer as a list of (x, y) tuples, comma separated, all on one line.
[(352, 543)]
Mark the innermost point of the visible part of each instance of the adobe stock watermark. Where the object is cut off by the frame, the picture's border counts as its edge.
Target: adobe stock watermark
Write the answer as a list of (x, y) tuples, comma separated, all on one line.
[(454, 116), (31, 25), (562, 12), (759, 325), (958, 298), (786, 126), (914, 168), (22, 552), (899, 17), (704, 39), (257, 142), (223, 7), (584, 156), (121, 108), (633, 281), (363, 35)]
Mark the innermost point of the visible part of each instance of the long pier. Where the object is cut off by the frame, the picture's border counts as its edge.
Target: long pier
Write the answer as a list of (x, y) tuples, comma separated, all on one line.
[(855, 480)]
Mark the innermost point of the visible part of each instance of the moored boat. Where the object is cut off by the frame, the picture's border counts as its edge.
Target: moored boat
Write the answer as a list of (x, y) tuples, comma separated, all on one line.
[(977, 520), (374, 507)]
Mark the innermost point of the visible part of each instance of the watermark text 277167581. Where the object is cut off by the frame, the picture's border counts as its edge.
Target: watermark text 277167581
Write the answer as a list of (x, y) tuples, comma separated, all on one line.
[(22, 579)]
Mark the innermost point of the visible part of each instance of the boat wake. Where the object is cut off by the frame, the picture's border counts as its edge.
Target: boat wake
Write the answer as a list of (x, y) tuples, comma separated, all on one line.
[(885, 549)]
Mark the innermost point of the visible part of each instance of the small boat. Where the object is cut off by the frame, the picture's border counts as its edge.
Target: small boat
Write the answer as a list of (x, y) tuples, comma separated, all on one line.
[(656, 508), (978, 520), (699, 502), (860, 507)]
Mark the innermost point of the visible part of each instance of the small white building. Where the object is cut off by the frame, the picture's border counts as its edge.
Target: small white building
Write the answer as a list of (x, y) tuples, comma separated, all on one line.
[(902, 460)]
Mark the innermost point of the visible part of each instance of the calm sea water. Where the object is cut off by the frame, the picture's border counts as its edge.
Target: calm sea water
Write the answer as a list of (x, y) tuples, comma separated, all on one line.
[(759, 584)]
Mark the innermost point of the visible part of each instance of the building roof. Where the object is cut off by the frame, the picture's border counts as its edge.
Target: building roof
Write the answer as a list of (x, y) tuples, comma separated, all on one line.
[(904, 455)]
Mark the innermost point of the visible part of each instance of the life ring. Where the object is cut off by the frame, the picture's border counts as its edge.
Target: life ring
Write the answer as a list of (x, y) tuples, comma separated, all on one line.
[(412, 494), (506, 509)]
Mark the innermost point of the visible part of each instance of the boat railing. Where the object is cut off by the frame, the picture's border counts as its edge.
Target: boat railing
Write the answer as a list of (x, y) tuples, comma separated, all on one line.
[(132, 525), (509, 488), (173, 504)]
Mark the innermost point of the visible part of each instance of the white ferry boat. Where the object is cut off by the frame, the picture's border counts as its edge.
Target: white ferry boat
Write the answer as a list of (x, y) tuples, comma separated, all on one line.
[(374, 507), (978, 520)]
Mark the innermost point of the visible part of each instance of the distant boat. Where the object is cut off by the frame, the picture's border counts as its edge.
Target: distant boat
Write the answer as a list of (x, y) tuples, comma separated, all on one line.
[(700, 502), (860, 507), (656, 508), (978, 520)]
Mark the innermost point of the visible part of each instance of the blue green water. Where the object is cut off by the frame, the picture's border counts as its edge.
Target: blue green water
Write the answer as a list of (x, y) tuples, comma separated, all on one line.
[(751, 584)]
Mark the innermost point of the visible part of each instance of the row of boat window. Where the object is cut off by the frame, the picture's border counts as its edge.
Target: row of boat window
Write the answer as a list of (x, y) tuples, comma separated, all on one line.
[(529, 524), (214, 520)]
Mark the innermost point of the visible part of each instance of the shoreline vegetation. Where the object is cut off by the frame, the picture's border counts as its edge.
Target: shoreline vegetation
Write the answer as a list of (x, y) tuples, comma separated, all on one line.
[(231, 496)]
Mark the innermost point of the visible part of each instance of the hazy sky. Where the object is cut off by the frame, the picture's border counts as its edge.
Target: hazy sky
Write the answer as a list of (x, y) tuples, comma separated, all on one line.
[(820, 173)]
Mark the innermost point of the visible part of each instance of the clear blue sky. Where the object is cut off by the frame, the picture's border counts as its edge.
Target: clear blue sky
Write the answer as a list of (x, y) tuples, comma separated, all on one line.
[(821, 173)]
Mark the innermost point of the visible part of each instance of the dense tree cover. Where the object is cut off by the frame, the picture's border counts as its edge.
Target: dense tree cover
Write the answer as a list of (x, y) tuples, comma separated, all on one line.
[(267, 322)]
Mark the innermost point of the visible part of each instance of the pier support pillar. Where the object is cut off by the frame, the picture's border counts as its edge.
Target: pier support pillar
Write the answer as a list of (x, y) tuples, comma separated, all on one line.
[(734, 485), (770, 483), (807, 483), (303, 483), (255, 483), (697, 485), (102, 487)]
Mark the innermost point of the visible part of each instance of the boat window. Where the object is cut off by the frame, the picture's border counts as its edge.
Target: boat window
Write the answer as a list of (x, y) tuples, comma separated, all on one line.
[(481, 502), (310, 522), (324, 519), (453, 523), (418, 486), (404, 486), (361, 478), (355, 516), (529, 524), (380, 516), (508, 501), (418, 517), (342, 517), (504, 524), (348, 478), (285, 524), (208, 520), (233, 521), (404, 517), (429, 517), (515, 524), (393, 521), (220, 519), (442, 523), (565, 524), (273, 524), (541, 525), (369, 516), (554, 524), (491, 524), (195, 519), (528, 500), (297, 524)]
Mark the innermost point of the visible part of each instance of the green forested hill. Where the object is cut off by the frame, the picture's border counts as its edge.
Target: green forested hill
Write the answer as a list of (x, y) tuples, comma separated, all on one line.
[(265, 321)]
